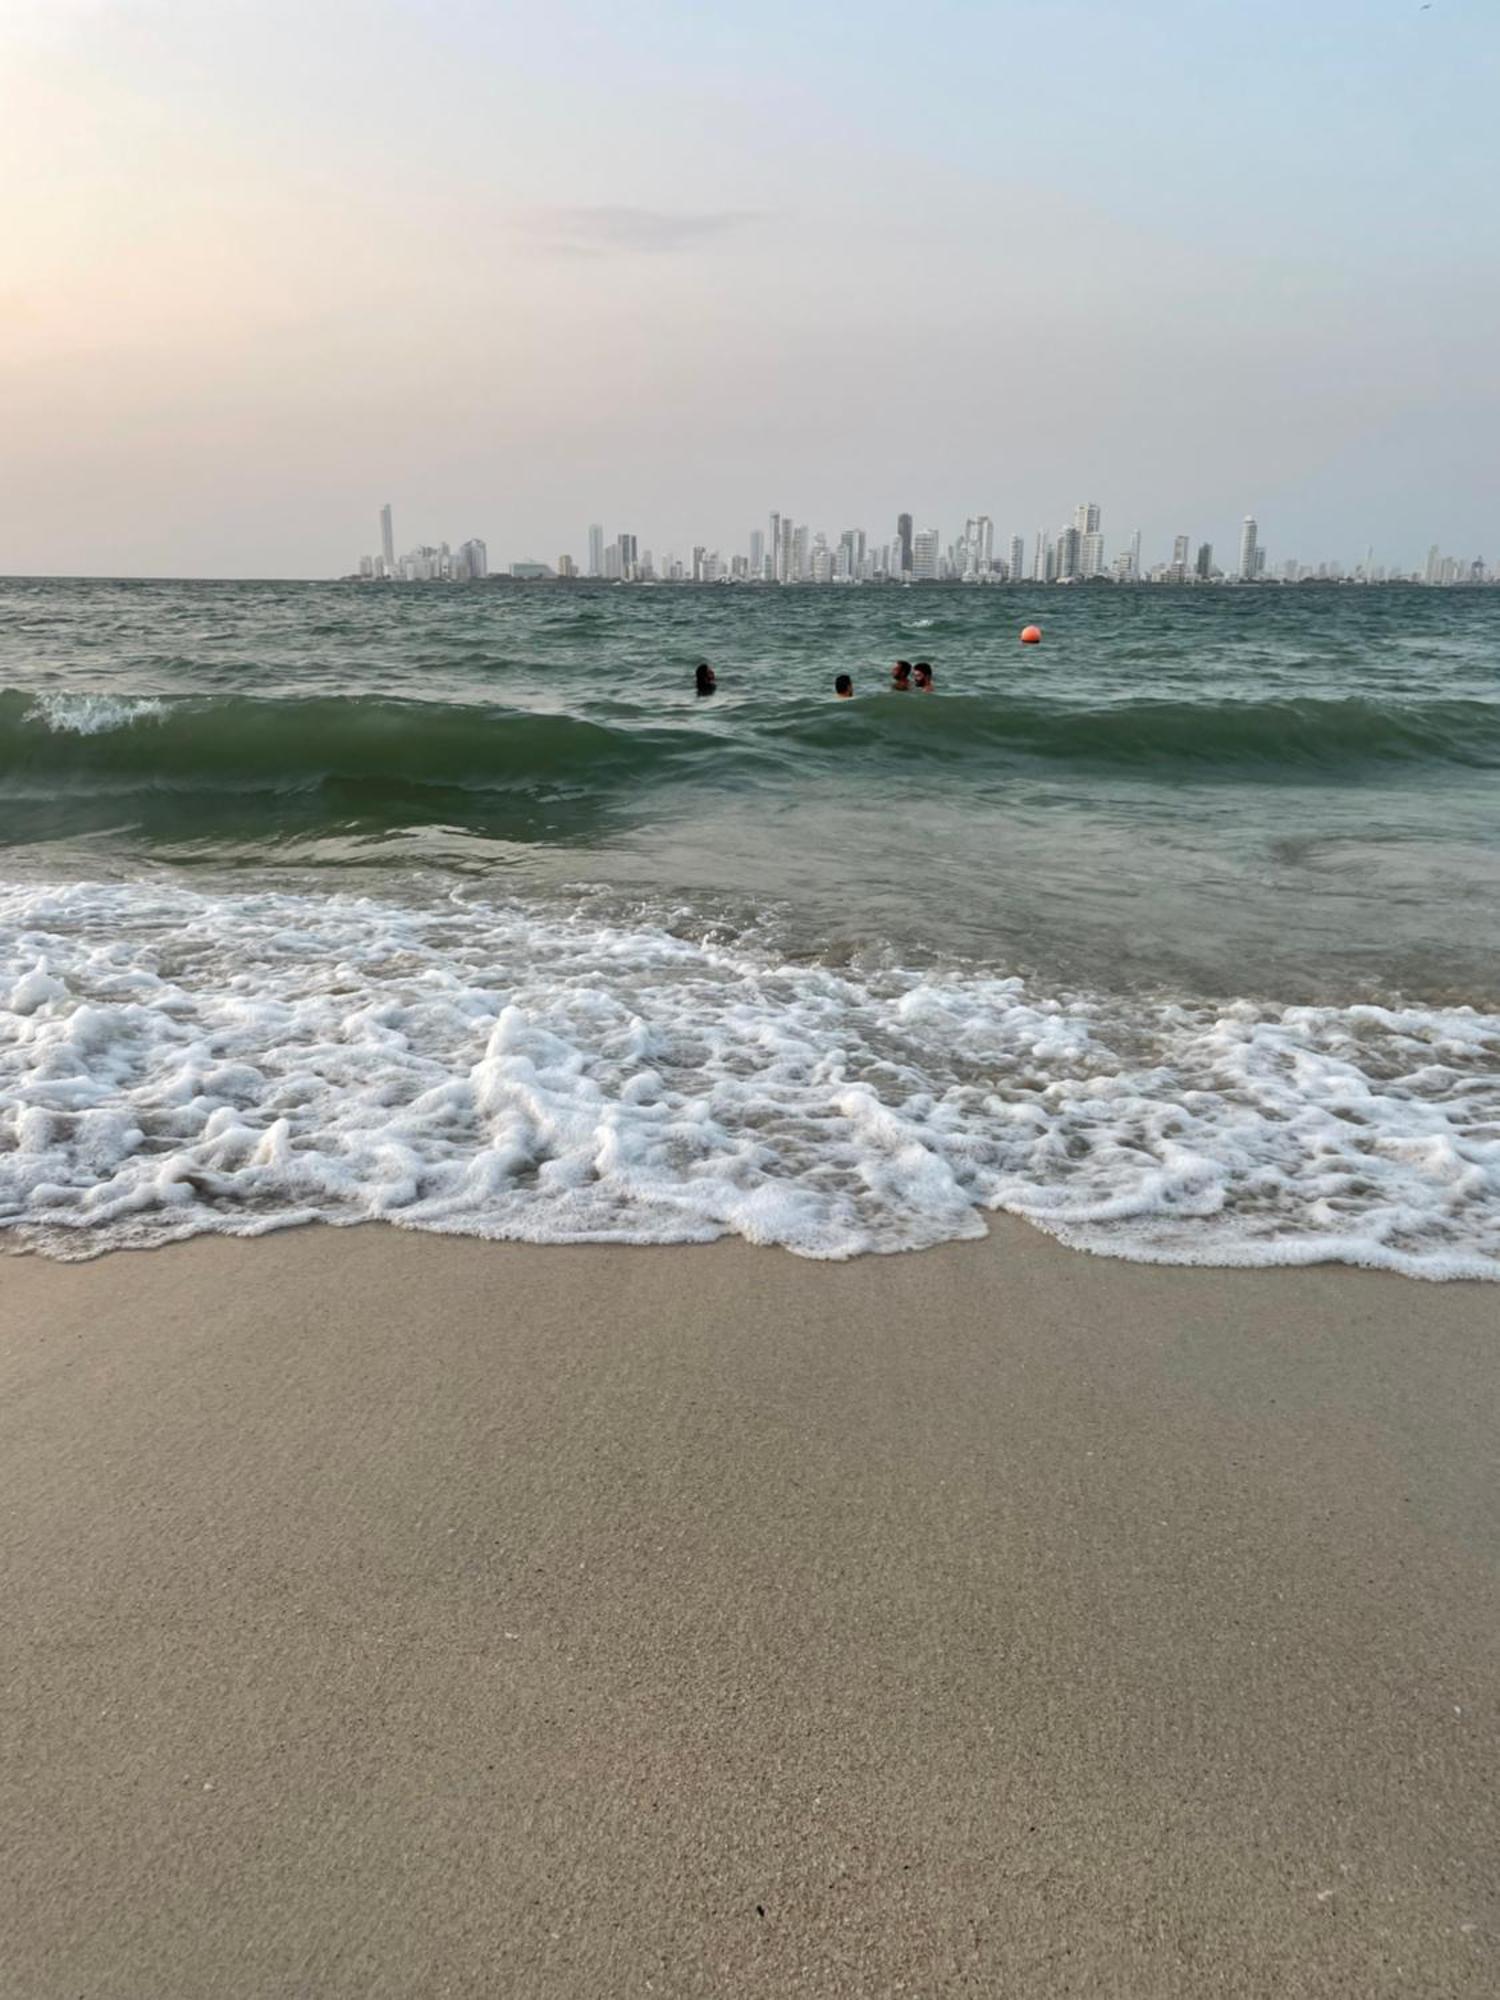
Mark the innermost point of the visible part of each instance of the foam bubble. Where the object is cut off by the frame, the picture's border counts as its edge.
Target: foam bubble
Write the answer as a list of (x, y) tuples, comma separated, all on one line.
[(173, 1062), (92, 714)]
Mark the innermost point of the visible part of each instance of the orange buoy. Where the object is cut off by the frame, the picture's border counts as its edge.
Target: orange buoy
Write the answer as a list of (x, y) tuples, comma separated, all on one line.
[(1032, 636)]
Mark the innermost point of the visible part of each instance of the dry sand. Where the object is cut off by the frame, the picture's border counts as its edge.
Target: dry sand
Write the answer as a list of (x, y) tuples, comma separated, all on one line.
[(389, 1615)]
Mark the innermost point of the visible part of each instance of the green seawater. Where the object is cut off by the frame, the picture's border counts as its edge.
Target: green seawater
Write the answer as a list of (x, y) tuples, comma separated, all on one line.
[(1277, 793)]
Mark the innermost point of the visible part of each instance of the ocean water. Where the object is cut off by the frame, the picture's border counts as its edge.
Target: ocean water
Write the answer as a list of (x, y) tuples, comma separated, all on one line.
[(1179, 934)]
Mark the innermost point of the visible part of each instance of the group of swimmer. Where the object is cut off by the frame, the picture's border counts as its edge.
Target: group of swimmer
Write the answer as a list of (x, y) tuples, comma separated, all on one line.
[(904, 677)]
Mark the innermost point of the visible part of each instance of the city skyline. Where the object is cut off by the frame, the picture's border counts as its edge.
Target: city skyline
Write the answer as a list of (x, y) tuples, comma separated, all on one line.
[(786, 551), (524, 267)]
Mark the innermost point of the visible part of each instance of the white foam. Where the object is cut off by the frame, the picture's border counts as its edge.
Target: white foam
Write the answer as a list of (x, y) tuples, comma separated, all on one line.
[(172, 1062), (92, 714)]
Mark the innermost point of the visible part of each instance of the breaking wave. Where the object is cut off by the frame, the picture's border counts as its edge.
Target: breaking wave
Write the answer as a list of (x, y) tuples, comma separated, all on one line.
[(173, 1062)]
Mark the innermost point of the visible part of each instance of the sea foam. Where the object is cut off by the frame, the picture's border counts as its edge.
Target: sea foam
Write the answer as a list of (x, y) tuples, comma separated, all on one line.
[(173, 1062), (73, 714)]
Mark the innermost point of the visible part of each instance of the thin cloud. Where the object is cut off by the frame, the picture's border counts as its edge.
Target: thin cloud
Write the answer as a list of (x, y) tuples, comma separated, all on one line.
[(644, 232)]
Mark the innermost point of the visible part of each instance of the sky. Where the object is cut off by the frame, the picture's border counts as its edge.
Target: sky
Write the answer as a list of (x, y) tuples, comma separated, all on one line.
[(517, 268)]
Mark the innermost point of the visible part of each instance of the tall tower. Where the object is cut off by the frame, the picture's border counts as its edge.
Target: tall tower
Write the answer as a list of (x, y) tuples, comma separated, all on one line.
[(1017, 558), (984, 553), (387, 540), (1086, 518), (1205, 561), (903, 541), (1249, 550), (1180, 559), (596, 550)]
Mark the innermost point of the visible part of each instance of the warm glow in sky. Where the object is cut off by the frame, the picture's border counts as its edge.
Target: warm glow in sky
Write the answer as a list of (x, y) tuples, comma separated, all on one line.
[(518, 267)]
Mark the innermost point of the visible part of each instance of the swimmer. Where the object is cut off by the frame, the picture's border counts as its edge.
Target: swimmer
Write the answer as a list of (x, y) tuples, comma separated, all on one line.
[(924, 677), (901, 677), (706, 680), (843, 687)]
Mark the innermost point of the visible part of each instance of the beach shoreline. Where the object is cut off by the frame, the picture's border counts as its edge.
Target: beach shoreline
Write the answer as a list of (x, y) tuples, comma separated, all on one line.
[(392, 1613)]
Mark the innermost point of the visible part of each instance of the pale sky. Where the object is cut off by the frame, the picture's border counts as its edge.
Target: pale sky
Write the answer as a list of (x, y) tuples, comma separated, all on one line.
[(520, 267)]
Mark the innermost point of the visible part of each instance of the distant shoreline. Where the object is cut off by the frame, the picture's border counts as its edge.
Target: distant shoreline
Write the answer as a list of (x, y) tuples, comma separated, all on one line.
[(504, 579)]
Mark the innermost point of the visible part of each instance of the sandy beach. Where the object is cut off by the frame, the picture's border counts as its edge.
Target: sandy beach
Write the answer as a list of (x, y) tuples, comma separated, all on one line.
[(393, 1615)]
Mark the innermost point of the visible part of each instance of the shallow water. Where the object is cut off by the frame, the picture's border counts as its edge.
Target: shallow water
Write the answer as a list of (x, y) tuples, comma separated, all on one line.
[(1177, 933)]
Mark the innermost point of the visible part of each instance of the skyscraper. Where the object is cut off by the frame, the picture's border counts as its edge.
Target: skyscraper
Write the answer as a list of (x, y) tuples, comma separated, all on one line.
[(1249, 550), (1017, 558), (1069, 555), (596, 550), (1180, 559), (387, 540), (1091, 553), (903, 542), (758, 551), (984, 549), (924, 557), (1086, 517), (1205, 564)]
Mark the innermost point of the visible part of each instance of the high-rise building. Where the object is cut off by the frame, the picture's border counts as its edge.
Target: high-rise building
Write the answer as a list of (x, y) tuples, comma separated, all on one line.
[(596, 550), (1017, 558), (1179, 565), (801, 562), (475, 558), (1069, 555), (1135, 557), (904, 542), (1205, 562), (1086, 518), (758, 550), (1091, 553), (628, 558), (1434, 564), (1041, 561), (566, 566), (786, 569), (982, 549), (387, 541), (1250, 555), (924, 554)]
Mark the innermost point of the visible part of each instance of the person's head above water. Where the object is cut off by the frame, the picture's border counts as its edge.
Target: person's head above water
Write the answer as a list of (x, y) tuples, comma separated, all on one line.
[(705, 680), (843, 687), (901, 674), (924, 676)]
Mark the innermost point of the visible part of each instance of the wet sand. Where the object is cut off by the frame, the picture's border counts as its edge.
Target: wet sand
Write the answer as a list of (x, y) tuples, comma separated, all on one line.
[(393, 1615)]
